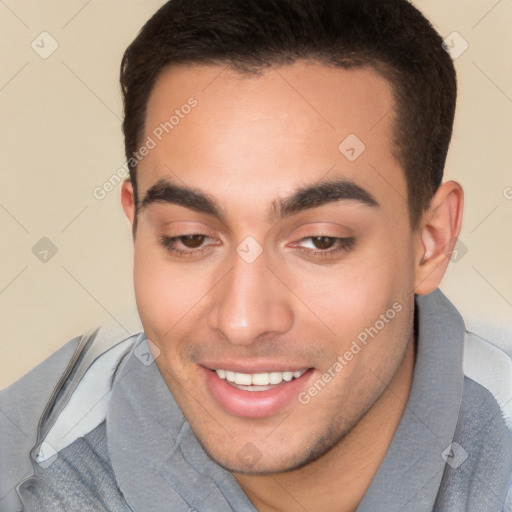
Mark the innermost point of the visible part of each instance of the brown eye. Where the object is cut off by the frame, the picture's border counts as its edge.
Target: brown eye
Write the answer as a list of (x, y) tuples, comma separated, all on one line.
[(192, 241), (323, 242)]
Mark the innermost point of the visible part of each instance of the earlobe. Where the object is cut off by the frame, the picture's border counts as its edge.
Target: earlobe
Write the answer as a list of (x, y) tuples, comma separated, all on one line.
[(128, 201), (437, 236)]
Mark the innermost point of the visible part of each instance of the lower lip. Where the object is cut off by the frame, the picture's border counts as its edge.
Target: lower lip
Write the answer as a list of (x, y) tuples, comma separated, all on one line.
[(254, 404)]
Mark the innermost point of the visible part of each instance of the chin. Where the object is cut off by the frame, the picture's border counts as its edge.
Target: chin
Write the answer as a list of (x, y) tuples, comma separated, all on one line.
[(272, 458)]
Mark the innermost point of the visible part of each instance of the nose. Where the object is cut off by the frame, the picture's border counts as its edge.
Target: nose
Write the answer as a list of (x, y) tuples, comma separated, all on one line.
[(250, 302)]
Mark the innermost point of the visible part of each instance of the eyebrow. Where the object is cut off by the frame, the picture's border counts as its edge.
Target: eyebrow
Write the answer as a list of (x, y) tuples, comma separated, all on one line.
[(305, 198), (164, 191), (323, 193)]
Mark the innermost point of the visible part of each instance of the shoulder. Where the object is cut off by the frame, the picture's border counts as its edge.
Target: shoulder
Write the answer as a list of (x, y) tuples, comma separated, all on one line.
[(485, 422), (478, 468), (21, 406), (491, 367), (35, 388), (30, 406)]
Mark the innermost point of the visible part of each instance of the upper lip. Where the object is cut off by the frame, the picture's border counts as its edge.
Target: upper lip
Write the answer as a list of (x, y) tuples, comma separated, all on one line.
[(260, 367)]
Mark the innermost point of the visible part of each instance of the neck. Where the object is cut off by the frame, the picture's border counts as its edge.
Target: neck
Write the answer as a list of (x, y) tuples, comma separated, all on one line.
[(338, 480)]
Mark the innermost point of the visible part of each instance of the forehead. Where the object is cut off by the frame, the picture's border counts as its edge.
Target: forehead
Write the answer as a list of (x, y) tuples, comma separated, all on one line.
[(285, 127)]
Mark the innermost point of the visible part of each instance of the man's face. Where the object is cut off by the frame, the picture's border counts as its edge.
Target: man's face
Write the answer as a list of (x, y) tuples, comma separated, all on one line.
[(300, 248)]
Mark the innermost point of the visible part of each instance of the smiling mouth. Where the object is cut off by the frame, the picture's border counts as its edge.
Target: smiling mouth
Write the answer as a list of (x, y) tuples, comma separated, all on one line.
[(255, 395), (258, 381)]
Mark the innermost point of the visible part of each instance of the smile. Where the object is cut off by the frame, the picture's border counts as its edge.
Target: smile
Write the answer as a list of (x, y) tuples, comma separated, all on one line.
[(255, 395), (258, 381)]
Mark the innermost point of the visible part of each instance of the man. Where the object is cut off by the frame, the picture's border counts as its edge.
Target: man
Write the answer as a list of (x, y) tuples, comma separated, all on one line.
[(291, 229)]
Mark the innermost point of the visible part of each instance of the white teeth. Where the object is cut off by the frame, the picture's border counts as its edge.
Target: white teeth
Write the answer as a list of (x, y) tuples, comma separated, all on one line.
[(261, 379), (243, 378), (276, 377), (258, 379)]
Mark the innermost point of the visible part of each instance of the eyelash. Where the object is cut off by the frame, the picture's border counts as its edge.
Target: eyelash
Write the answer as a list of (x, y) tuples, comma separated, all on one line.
[(341, 245), (169, 243)]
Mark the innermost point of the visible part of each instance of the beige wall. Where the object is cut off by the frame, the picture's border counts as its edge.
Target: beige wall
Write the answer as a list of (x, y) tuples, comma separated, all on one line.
[(60, 138)]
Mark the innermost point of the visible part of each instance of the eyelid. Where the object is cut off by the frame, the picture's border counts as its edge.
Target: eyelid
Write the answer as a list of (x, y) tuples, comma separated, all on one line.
[(326, 228), (168, 220)]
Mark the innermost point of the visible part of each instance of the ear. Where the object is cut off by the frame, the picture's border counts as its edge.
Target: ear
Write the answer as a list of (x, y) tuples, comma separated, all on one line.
[(438, 233), (128, 201)]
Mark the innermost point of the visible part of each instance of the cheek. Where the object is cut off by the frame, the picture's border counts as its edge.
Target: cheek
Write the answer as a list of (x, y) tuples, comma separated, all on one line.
[(351, 297), (165, 293), (150, 289)]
